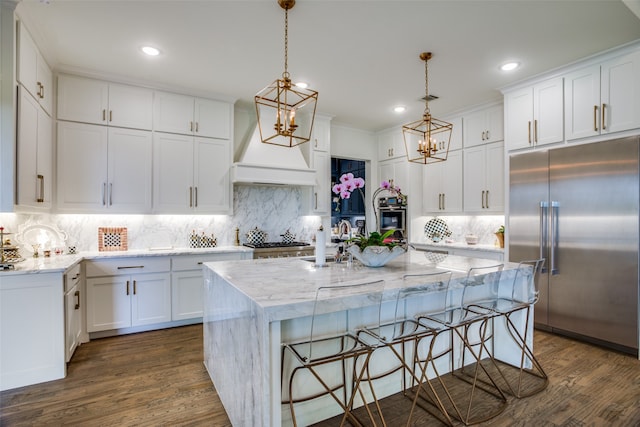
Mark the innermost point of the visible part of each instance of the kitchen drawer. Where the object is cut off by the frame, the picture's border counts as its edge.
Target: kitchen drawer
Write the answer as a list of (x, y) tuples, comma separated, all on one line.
[(194, 262), (113, 267), (72, 277)]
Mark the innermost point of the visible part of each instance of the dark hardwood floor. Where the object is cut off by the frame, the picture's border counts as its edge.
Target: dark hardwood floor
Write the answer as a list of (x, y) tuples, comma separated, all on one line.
[(158, 378)]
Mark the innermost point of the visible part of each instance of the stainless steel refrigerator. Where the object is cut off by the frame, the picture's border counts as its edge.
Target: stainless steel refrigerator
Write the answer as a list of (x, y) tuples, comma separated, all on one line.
[(577, 207)]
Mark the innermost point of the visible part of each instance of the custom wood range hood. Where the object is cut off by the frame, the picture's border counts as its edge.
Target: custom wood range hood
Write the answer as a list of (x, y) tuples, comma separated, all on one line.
[(271, 165)]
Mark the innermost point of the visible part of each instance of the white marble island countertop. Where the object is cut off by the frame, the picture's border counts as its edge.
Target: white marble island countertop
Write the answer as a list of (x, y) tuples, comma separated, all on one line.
[(285, 288), (425, 246)]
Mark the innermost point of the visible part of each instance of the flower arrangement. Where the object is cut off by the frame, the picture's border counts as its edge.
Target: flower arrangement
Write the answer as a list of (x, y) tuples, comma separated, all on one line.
[(349, 183)]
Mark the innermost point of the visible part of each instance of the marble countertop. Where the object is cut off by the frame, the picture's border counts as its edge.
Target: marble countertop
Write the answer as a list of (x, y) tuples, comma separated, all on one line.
[(60, 263), (283, 287), (456, 245)]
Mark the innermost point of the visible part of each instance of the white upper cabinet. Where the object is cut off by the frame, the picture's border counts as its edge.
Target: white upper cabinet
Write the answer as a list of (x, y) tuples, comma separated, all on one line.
[(483, 126), (33, 72), (603, 98), (534, 115), (191, 174), (103, 170), (94, 101), (187, 115), (322, 190), (484, 178), (321, 134), (442, 185), (456, 134), (34, 163), (391, 144)]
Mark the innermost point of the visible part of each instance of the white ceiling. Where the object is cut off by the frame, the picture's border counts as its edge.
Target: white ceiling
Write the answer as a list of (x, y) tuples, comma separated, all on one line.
[(360, 55)]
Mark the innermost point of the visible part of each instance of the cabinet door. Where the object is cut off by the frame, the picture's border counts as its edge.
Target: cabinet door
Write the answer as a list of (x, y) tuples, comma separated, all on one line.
[(548, 112), (73, 326), (129, 170), (130, 107), (83, 100), (451, 182), (151, 299), (108, 303), (474, 179), (212, 190), (27, 61), (475, 129), (322, 191), (173, 113), (45, 80), (187, 295), (391, 145), (582, 103), (495, 124), (172, 173), (321, 134), (456, 134), (82, 167), (432, 187), (44, 160), (27, 173), (494, 177), (518, 107), (212, 118), (620, 85)]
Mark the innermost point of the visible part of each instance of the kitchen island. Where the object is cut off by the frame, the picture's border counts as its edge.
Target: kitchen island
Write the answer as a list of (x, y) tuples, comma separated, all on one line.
[(251, 307)]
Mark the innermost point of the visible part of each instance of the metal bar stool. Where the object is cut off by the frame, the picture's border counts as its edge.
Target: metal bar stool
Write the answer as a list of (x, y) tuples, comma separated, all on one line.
[(321, 350), (519, 299), (398, 338), (482, 399)]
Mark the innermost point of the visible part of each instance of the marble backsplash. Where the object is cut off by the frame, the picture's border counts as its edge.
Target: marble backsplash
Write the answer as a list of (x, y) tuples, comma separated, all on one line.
[(272, 209), (483, 226)]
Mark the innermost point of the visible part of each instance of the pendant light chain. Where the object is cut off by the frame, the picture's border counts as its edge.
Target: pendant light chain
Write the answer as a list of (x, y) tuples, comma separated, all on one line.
[(285, 75), (426, 87)]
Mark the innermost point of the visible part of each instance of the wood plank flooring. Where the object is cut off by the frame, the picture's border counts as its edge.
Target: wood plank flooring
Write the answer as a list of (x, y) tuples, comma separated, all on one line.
[(158, 378)]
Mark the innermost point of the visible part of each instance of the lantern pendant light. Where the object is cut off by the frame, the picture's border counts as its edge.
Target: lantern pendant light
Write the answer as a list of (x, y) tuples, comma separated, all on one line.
[(427, 140), (285, 111)]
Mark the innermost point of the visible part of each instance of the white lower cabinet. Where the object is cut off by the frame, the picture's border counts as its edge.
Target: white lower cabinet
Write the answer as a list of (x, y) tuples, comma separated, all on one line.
[(187, 282), (31, 329), (74, 310), (138, 294)]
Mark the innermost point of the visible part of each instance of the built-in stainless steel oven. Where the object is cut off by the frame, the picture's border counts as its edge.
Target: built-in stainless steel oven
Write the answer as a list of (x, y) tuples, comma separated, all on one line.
[(393, 216)]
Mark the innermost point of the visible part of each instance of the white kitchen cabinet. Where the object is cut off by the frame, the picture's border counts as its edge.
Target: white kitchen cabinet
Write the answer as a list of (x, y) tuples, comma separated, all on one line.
[(99, 102), (483, 178), (483, 126), (188, 115), (321, 134), (391, 145), (187, 282), (31, 329), (396, 170), (74, 309), (103, 170), (34, 154), (191, 174), (603, 98), (534, 115), (128, 292), (456, 134), (442, 185), (322, 190), (33, 72)]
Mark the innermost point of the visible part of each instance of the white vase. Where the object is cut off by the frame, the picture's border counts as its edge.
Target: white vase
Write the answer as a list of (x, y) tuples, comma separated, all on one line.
[(376, 256)]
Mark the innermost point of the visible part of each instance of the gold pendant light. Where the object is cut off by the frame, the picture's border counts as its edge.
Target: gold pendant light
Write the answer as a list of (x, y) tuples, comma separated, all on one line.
[(427, 140), (285, 111)]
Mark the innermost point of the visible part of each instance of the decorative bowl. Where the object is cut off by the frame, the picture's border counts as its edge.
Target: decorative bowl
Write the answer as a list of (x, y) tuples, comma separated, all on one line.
[(376, 256)]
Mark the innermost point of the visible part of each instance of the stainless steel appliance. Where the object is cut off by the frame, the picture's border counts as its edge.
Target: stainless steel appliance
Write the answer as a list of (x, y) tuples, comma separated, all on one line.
[(280, 249), (393, 216), (578, 208)]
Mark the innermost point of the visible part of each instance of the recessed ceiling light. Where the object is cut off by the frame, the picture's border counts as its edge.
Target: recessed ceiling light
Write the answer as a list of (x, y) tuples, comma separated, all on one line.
[(302, 85), (509, 66), (151, 51), (399, 109)]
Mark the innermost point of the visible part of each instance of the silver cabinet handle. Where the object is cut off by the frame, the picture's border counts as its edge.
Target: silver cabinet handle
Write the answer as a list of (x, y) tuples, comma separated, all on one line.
[(135, 288), (191, 126), (486, 199), (126, 267), (110, 115), (555, 213), (544, 237), (41, 198), (104, 115), (197, 123), (482, 199), (315, 194)]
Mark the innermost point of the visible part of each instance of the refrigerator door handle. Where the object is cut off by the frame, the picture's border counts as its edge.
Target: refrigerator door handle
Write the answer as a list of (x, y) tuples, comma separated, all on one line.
[(544, 237), (554, 237)]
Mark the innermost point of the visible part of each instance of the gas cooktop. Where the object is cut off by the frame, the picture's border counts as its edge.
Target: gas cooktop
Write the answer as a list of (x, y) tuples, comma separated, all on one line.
[(270, 245)]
